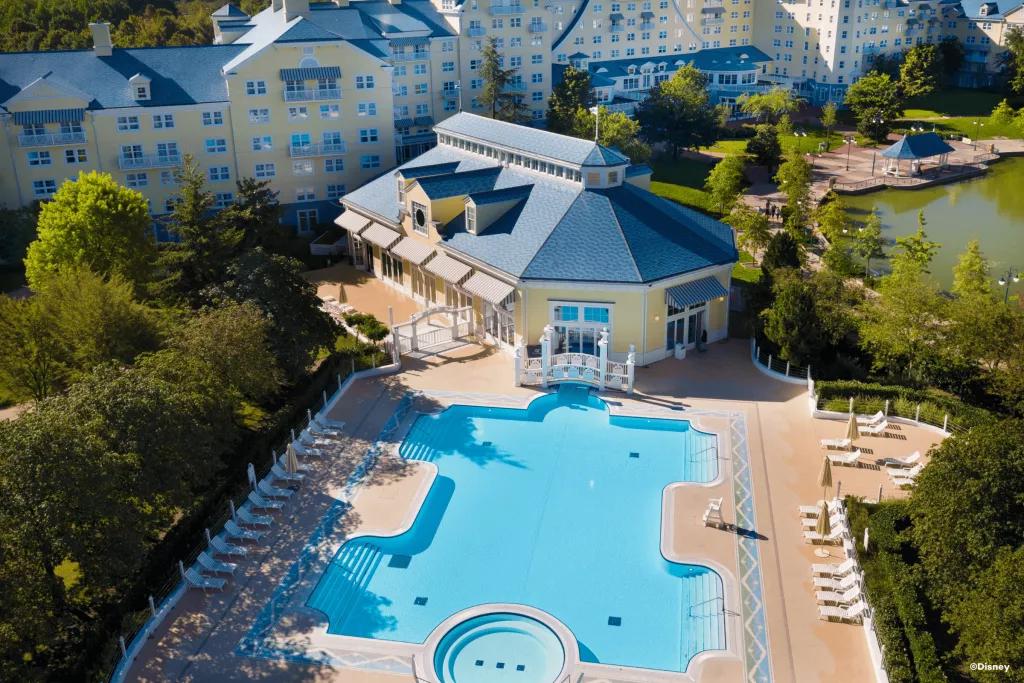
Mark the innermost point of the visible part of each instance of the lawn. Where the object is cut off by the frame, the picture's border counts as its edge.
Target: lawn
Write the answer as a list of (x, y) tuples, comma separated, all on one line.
[(743, 271), (808, 143), (958, 112), (682, 180)]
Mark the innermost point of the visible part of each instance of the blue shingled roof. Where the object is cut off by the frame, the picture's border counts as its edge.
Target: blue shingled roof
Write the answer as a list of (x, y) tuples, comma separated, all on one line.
[(228, 10), (410, 172), (459, 183), (531, 140), (502, 195), (918, 146), (638, 169), (179, 75)]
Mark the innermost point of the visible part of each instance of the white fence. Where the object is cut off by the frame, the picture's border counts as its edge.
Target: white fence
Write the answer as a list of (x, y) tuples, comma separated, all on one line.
[(575, 367), (419, 333), (776, 367)]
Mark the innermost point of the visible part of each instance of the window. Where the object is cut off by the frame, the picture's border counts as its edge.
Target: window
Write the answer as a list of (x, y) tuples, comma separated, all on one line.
[(306, 219), (142, 92), (369, 161), (255, 87), (222, 200), (302, 167), (364, 82), (297, 113), (262, 143), (75, 156), (367, 135), (471, 218), (335, 191), (136, 180), (335, 165), (127, 124), (163, 121), (447, 67), (419, 69), (131, 152), (213, 118), (218, 174), (422, 109), (42, 189), (420, 89), (39, 159), (579, 326), (261, 115), (167, 151), (267, 170), (419, 218), (305, 194), (367, 109), (34, 129), (167, 178), (216, 145), (330, 111)]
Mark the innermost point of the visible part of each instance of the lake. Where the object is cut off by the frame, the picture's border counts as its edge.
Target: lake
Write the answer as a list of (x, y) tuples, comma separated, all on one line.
[(989, 209)]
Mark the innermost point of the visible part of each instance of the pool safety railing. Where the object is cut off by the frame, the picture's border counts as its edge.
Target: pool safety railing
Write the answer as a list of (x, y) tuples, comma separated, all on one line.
[(774, 366), (587, 368), (419, 333)]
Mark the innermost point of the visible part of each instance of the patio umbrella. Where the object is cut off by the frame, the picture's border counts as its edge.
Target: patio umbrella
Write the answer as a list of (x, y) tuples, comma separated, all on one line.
[(234, 513), (852, 433), (291, 460), (251, 472), (824, 525), (825, 479)]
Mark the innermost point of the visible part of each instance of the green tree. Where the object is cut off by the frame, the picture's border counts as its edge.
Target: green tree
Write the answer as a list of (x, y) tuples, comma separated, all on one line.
[(833, 219), (615, 130), (94, 222), (828, 120), (494, 94), (971, 272), (919, 72), (915, 251), (951, 56), (784, 126), (567, 98), (17, 231), (794, 180), (875, 101), (1014, 58), (33, 358), (725, 182), (1002, 114), (679, 113), (807, 317), (256, 213), (869, 241), (752, 225), (765, 146), (782, 252), (770, 105)]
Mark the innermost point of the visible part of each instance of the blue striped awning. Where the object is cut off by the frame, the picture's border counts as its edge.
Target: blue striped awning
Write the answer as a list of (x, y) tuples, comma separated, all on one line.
[(696, 292), (423, 120), (402, 42), (403, 123), (24, 118), (647, 15), (312, 73)]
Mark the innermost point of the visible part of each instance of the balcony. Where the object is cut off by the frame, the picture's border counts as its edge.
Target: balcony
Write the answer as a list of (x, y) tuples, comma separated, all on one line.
[(416, 56), (712, 21), (450, 93), (149, 161), (616, 28), (50, 139), (476, 31), (516, 86), (714, 3), (317, 149), (497, 10), (312, 94), (646, 25), (538, 27)]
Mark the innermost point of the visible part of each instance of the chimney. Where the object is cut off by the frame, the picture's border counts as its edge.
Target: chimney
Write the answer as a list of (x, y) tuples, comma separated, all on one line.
[(101, 43), (275, 5), (295, 8)]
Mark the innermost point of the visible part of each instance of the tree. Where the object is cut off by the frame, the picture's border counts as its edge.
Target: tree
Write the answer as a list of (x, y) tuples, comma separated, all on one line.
[(765, 146), (753, 227), (33, 358), (615, 130), (17, 231), (828, 120), (567, 98), (256, 213), (784, 126), (725, 182), (919, 72), (1002, 114), (807, 317), (875, 100), (678, 112), (1014, 58), (951, 56), (94, 222), (869, 241), (497, 79), (833, 220), (770, 105), (916, 251), (971, 272), (794, 180), (782, 252)]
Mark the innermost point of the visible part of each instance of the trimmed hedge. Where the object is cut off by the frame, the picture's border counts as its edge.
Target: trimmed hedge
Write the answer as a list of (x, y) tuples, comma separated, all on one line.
[(870, 397)]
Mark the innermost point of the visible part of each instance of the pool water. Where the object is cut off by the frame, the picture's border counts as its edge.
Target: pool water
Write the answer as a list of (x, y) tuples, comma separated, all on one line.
[(499, 647), (558, 507)]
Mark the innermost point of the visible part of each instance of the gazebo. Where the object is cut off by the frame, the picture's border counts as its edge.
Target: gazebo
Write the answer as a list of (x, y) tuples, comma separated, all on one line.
[(916, 148)]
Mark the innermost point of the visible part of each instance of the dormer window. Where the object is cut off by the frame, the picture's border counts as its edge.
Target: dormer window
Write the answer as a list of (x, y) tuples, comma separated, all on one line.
[(140, 87), (142, 92), (471, 218), (419, 218), (401, 191)]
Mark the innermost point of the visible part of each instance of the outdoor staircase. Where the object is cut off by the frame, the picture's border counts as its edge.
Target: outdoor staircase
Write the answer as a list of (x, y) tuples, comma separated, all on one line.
[(344, 582), (418, 444), (704, 619)]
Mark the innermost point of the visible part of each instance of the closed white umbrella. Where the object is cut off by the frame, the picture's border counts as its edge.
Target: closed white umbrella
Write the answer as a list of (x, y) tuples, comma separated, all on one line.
[(251, 471), (291, 460), (852, 432), (824, 525)]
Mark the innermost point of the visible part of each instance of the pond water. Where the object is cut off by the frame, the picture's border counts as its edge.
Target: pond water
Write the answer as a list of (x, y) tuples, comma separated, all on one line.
[(989, 209)]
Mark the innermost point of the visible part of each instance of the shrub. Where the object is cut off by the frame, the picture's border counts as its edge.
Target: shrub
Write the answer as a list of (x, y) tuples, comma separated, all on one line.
[(870, 397)]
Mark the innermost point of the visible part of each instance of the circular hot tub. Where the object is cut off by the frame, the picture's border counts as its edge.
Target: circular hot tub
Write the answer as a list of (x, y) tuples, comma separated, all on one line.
[(499, 647)]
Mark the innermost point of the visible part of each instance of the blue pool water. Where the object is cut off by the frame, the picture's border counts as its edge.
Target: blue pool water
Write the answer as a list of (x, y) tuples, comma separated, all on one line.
[(558, 507), (494, 648)]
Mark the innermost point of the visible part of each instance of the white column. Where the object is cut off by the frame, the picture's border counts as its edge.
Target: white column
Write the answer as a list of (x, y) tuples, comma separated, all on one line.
[(518, 365), (630, 368), (602, 352), (396, 348), (545, 354)]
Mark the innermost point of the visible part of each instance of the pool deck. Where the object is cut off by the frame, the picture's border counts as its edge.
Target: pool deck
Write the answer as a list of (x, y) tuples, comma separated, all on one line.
[(764, 429)]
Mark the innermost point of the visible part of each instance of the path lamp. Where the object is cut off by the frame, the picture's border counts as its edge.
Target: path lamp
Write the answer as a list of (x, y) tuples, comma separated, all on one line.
[(799, 134), (850, 141), (978, 125), (874, 155), (1005, 280)]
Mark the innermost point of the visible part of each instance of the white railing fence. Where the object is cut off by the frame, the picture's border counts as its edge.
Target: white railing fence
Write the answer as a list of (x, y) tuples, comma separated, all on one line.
[(774, 366), (419, 333), (552, 368)]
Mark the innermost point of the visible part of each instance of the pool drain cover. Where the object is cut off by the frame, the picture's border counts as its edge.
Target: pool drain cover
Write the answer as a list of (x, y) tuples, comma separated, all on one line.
[(615, 621)]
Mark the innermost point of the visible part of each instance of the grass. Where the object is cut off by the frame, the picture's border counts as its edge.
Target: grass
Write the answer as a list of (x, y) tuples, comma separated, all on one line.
[(682, 180), (955, 111), (743, 271), (809, 143)]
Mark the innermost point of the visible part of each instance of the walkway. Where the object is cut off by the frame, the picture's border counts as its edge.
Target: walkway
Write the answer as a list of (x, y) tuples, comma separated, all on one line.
[(363, 291)]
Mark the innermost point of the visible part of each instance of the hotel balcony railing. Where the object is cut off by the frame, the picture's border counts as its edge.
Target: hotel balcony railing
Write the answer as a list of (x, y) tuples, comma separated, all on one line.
[(616, 28), (538, 27), (476, 31), (714, 3), (739, 87), (507, 9), (712, 21), (50, 139), (317, 149), (646, 25), (410, 56), (312, 94), (516, 87), (450, 93), (149, 161)]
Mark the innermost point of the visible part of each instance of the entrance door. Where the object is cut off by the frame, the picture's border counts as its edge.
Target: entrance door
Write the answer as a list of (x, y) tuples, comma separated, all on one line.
[(369, 256)]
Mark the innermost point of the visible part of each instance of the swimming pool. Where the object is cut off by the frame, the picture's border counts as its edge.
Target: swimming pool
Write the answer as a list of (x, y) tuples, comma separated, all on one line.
[(558, 507)]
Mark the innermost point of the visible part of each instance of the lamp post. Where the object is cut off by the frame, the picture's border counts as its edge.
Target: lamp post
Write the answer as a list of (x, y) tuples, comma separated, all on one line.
[(849, 140), (1004, 281), (874, 155), (978, 125), (799, 134)]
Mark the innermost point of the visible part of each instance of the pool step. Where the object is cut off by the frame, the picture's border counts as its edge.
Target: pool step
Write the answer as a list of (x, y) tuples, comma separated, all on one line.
[(345, 581), (703, 618), (418, 444)]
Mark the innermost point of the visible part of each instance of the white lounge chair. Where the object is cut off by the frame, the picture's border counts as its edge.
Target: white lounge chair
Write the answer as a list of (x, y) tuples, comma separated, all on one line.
[(284, 456), (836, 443), (260, 503), (212, 565), (853, 614), (238, 533), (847, 597), (814, 510), (222, 547), (308, 451), (839, 585), (248, 518), (834, 538), (875, 429), (838, 519), (901, 482), (901, 463), (307, 439), (844, 568), (328, 423), (913, 471), (317, 432), (281, 473), (271, 491), (850, 459), (873, 420), (196, 580)]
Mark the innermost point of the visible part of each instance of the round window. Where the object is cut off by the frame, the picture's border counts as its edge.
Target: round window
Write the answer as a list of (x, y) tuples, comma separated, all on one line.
[(421, 218)]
